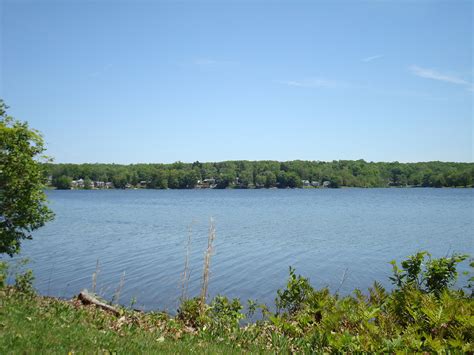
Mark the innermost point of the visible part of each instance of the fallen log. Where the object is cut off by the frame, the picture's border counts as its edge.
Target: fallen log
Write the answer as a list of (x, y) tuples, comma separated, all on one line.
[(88, 298)]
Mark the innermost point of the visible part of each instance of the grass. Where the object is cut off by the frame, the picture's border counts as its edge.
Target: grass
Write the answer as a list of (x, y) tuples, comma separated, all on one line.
[(33, 324), (207, 262)]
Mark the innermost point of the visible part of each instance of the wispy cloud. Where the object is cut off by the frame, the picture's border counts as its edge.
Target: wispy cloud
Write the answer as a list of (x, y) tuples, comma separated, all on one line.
[(336, 84), (435, 75), (208, 62), (316, 83), (371, 58), (205, 61)]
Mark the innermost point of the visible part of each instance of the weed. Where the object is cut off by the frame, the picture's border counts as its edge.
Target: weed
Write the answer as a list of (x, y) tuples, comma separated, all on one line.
[(207, 263)]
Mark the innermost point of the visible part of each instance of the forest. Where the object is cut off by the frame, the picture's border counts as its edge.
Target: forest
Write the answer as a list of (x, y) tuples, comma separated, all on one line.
[(261, 174)]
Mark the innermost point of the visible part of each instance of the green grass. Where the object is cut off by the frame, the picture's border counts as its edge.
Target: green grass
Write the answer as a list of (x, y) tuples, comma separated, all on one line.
[(32, 324)]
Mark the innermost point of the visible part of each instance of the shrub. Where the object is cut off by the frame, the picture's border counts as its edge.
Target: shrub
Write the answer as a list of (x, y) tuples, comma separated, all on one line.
[(225, 314), (431, 275), (292, 298), (191, 313), (24, 282), (3, 273)]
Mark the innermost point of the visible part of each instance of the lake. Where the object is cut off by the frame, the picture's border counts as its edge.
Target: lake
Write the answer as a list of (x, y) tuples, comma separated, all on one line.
[(340, 238)]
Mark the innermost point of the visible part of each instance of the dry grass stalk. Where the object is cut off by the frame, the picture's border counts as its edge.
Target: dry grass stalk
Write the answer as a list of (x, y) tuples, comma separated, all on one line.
[(187, 271), (207, 262), (116, 297), (95, 274), (343, 279)]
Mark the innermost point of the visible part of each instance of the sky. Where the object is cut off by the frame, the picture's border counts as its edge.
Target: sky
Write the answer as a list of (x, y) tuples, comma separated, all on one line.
[(164, 81)]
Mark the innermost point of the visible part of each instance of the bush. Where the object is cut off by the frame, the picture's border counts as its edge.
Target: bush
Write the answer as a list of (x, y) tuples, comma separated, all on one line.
[(225, 314), (425, 273), (192, 314), (24, 282), (422, 314), (3, 273), (292, 298)]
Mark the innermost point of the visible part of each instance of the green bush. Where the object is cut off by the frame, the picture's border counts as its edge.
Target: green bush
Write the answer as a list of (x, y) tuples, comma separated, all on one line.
[(425, 273), (192, 314), (220, 315), (293, 297), (24, 282), (422, 314), (3, 273), (225, 314)]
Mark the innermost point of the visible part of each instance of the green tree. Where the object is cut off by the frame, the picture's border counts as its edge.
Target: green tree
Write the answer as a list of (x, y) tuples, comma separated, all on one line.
[(173, 179), (270, 179), (159, 180), (260, 180), (285, 174), (189, 180), (335, 181), (88, 184), (120, 180), (293, 180), (225, 180), (62, 182), (22, 199), (246, 178)]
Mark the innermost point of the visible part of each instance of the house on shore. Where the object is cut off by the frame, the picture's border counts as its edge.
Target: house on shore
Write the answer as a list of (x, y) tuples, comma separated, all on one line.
[(77, 184), (206, 184)]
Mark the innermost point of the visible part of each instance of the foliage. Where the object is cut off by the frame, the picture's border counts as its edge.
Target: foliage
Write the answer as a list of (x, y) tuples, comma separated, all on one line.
[(24, 282), (441, 273), (191, 314), (87, 183), (470, 284), (419, 315), (225, 314), (250, 174), (62, 182), (222, 313), (3, 273), (23, 278), (432, 276), (22, 199), (294, 296)]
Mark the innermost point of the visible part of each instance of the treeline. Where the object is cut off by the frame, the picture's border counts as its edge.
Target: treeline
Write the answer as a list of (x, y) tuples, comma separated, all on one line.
[(265, 174)]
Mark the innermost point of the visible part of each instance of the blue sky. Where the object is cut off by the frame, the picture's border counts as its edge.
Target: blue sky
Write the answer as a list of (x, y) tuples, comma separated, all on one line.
[(162, 81)]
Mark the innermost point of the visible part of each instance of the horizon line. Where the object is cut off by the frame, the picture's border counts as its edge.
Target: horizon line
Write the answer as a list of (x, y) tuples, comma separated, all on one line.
[(265, 160)]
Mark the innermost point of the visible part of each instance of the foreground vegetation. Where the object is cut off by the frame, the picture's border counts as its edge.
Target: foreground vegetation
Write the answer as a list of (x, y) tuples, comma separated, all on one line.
[(421, 314), (23, 206), (260, 174)]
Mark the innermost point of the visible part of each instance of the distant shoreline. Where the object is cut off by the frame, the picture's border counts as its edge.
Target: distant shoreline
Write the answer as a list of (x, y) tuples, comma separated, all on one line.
[(260, 174), (52, 188)]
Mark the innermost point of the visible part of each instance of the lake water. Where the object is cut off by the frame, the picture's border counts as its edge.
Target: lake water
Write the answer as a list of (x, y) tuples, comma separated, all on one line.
[(324, 233)]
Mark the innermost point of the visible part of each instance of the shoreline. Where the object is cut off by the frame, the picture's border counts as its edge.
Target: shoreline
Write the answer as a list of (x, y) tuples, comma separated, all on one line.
[(409, 318), (51, 188)]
